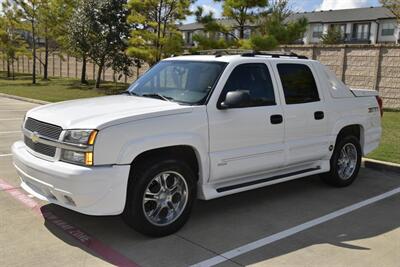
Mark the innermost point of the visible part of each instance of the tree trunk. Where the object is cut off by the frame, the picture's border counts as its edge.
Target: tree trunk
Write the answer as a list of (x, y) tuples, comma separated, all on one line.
[(241, 33), (83, 73), (8, 68), (99, 72), (13, 71), (46, 60), (34, 53)]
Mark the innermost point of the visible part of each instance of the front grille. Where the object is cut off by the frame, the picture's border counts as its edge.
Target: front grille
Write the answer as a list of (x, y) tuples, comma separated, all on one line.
[(40, 148), (42, 128)]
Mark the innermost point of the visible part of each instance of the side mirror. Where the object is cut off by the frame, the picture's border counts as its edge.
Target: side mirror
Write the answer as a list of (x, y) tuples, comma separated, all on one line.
[(235, 99)]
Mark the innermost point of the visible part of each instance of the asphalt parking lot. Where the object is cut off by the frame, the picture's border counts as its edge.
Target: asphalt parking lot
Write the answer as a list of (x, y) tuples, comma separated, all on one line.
[(299, 223)]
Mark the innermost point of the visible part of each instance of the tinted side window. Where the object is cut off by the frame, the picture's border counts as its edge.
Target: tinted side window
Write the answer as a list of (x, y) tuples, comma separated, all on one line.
[(256, 80), (298, 83)]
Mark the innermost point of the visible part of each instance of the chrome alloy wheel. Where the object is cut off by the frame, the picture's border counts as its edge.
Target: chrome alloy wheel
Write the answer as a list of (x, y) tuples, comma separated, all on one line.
[(165, 198), (347, 161)]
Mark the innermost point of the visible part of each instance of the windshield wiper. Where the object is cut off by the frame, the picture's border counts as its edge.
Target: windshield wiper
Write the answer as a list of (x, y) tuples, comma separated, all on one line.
[(158, 96), (130, 93)]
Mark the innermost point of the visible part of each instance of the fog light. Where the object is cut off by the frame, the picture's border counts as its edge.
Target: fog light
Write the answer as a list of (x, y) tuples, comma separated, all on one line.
[(89, 158), (73, 156)]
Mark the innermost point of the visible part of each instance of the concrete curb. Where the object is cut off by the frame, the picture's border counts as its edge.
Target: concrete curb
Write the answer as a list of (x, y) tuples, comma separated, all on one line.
[(30, 100), (380, 165)]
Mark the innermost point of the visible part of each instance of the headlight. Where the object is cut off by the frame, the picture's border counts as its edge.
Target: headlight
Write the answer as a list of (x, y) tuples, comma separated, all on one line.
[(83, 137), (79, 137)]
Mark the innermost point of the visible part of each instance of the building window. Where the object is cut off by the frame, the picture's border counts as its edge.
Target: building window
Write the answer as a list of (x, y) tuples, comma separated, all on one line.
[(188, 37), (317, 31), (341, 28), (388, 29), (361, 31)]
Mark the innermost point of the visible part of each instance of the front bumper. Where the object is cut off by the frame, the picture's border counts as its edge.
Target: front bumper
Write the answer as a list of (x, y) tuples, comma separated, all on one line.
[(88, 190)]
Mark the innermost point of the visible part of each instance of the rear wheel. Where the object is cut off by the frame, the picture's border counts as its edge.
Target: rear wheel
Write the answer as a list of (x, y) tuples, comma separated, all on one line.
[(160, 197), (345, 162)]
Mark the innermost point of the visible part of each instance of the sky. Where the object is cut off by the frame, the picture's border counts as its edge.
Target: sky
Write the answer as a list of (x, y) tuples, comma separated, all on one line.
[(296, 5)]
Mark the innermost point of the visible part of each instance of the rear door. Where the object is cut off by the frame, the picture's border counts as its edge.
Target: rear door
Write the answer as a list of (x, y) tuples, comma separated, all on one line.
[(304, 112), (250, 139)]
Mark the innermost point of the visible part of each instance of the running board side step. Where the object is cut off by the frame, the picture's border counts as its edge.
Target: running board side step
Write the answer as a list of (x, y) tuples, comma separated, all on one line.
[(264, 180)]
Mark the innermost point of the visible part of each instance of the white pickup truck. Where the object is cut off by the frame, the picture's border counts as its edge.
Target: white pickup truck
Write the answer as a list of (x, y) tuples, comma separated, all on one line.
[(197, 126)]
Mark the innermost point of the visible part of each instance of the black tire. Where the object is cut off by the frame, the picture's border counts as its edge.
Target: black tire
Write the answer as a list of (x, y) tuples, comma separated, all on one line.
[(140, 177), (333, 177)]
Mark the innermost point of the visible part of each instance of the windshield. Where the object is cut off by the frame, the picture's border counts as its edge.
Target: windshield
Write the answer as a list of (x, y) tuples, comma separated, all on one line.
[(181, 81)]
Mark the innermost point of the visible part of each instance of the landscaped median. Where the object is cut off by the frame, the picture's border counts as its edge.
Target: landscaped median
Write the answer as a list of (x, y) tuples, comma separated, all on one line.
[(58, 89)]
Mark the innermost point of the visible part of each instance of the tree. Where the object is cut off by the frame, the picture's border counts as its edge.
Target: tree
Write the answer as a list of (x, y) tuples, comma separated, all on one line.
[(108, 33), (333, 36), (11, 42), (212, 25), (76, 39), (270, 28), (155, 34), (276, 24), (393, 6), (215, 35), (53, 16), (28, 10), (243, 11)]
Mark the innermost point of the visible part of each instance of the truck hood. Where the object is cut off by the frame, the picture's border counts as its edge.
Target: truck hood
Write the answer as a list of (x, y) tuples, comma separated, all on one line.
[(101, 112)]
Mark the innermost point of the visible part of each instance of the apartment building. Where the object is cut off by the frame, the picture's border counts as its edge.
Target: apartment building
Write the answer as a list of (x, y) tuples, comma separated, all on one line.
[(358, 26)]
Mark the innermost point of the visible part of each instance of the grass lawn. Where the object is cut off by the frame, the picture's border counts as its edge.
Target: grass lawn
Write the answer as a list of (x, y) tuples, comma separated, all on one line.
[(57, 89), (389, 149)]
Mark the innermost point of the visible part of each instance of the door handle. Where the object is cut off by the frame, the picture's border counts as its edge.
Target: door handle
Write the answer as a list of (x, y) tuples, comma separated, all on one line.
[(319, 115), (276, 119)]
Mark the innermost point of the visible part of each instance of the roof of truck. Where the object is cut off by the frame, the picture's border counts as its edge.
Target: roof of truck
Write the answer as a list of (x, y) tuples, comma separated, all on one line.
[(222, 57)]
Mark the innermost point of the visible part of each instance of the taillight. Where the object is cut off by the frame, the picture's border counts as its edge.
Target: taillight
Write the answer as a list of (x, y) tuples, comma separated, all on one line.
[(380, 103)]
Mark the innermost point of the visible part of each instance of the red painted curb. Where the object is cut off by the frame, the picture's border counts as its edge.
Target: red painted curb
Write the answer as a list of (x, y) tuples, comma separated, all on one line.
[(105, 252)]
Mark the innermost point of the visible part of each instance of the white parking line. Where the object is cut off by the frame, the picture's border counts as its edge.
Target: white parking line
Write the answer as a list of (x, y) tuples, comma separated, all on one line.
[(292, 231), (13, 110), (11, 119), (10, 132), (5, 155)]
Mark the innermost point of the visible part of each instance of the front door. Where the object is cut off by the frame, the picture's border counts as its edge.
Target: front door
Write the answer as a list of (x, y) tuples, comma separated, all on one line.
[(250, 139)]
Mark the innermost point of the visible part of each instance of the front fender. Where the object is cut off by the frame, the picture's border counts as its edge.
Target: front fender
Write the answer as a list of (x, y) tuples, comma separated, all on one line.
[(136, 147)]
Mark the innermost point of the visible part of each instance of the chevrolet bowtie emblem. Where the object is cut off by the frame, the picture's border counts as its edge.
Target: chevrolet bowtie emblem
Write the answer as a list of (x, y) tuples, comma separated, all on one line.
[(35, 137)]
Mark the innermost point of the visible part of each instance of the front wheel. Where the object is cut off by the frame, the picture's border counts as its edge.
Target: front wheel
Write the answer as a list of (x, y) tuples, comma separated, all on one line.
[(160, 197), (345, 162)]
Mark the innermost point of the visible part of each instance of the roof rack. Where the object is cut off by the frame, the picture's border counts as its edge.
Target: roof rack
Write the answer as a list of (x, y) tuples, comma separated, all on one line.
[(221, 52), (273, 54), (246, 53)]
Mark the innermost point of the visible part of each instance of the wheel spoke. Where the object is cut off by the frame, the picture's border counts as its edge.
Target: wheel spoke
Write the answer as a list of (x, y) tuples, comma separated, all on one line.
[(175, 189), (163, 180), (156, 212), (150, 198), (344, 153)]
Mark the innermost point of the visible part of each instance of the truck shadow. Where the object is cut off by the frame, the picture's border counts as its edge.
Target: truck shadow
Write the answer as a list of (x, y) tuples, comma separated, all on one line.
[(223, 224)]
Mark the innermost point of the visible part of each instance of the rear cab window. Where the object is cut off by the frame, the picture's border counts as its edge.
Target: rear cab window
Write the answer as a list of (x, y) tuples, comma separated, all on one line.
[(298, 83)]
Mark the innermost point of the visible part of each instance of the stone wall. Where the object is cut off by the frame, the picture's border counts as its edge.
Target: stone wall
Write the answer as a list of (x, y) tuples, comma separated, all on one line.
[(361, 66)]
